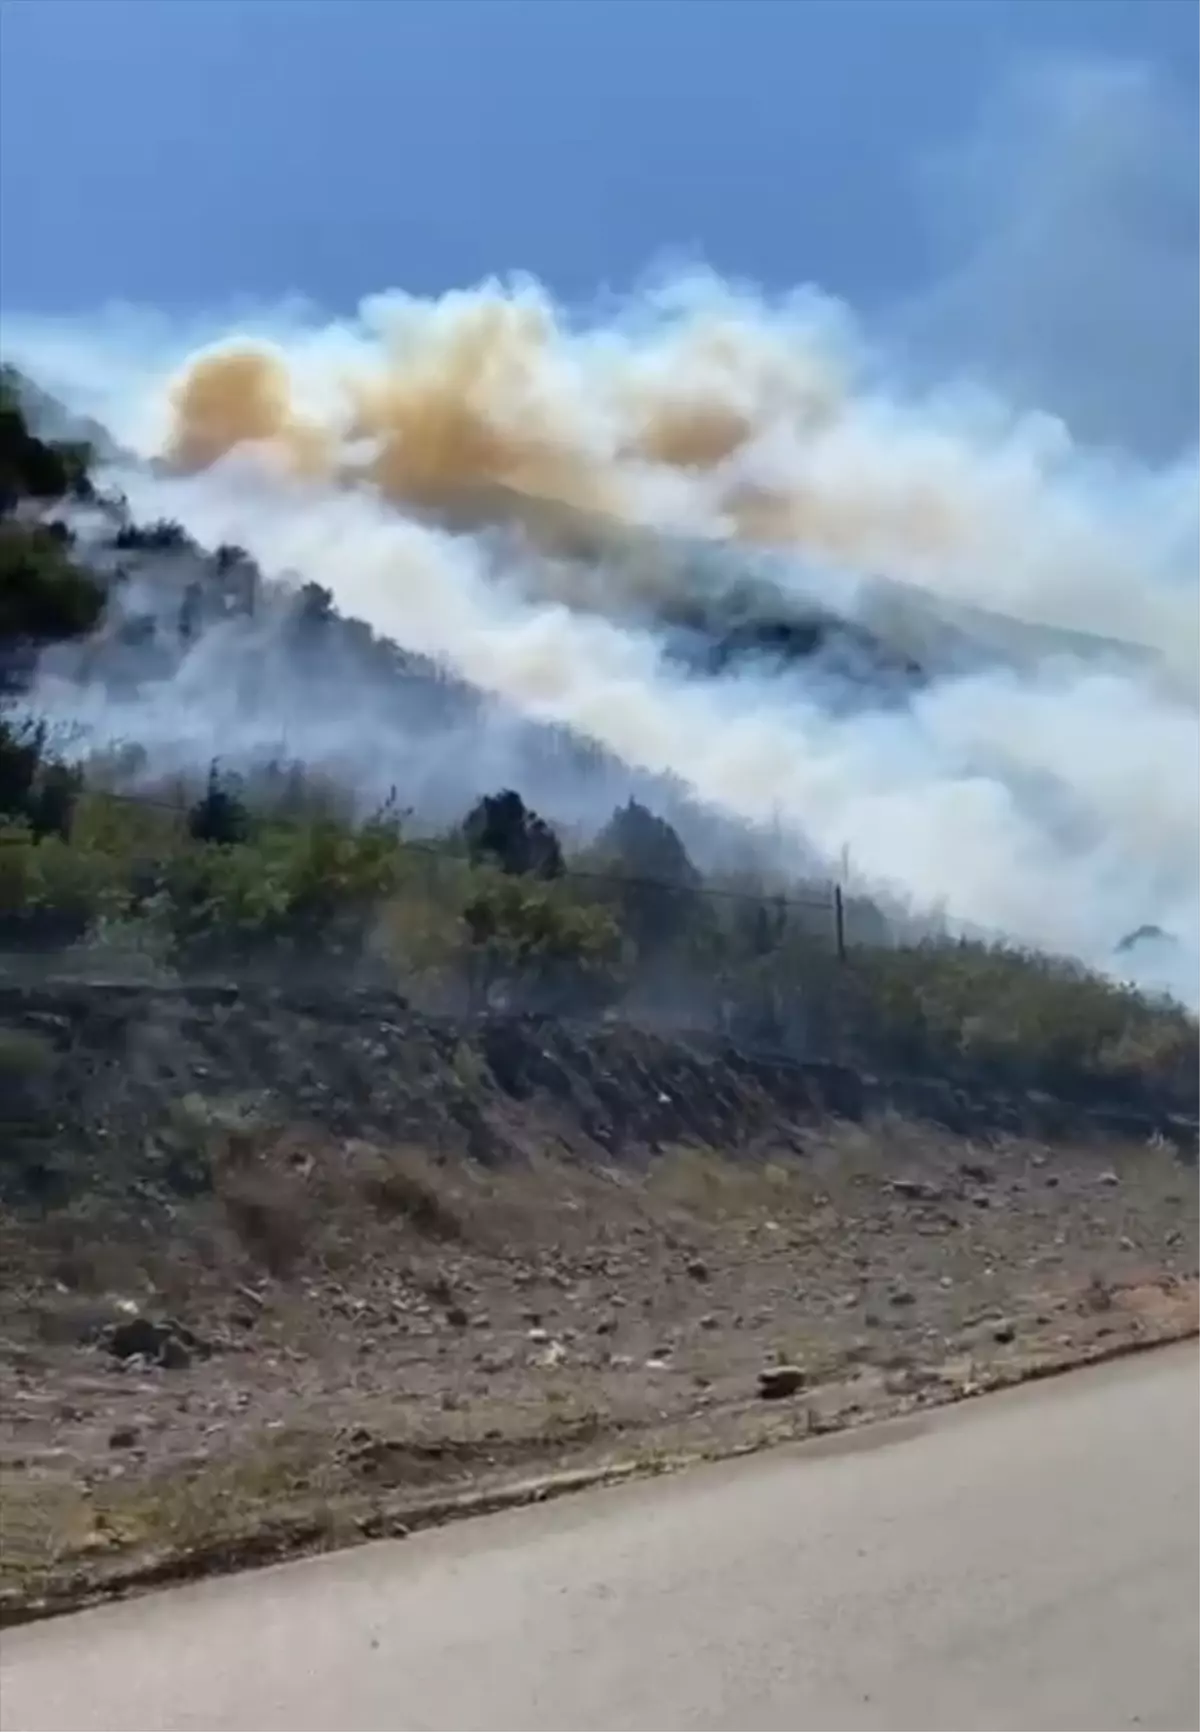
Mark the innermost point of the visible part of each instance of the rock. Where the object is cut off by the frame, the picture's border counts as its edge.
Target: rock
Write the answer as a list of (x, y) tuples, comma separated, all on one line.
[(981, 1200), (124, 1437), (1108, 1178), (136, 1336), (500, 1359), (697, 1268), (916, 1190), (173, 1355), (903, 1296), (538, 1336), (143, 1340), (1004, 1332), (777, 1382), (708, 1321), (977, 1171), (457, 1317), (606, 1326)]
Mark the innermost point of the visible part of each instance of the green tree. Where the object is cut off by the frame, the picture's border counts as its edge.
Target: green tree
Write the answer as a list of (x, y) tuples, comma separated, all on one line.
[(35, 788), (654, 884), (30, 468), (44, 596), (500, 830), (219, 816)]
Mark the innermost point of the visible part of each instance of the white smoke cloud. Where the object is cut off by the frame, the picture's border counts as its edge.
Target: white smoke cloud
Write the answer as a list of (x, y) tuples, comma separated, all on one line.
[(1058, 805)]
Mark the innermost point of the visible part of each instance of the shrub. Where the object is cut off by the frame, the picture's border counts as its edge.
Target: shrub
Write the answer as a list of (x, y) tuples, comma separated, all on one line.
[(546, 947), (52, 894)]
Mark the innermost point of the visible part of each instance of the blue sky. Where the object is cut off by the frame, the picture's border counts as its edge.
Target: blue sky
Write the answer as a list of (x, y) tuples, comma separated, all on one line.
[(181, 151)]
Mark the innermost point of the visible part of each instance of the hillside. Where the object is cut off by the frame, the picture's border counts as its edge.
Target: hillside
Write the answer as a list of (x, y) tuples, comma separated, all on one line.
[(362, 1152), (721, 609), (288, 1267), (741, 604), (110, 861)]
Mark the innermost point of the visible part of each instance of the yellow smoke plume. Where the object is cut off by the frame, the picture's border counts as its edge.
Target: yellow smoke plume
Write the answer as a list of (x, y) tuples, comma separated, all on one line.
[(485, 401)]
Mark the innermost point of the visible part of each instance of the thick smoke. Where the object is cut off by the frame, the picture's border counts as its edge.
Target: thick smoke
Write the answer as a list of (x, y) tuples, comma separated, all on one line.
[(704, 411), (1057, 803), (1049, 794)]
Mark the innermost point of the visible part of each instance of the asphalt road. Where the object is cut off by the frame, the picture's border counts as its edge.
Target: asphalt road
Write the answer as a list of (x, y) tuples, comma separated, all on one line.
[(1027, 1560)]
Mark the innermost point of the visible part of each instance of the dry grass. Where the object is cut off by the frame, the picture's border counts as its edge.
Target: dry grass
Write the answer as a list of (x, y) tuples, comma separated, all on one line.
[(406, 1184)]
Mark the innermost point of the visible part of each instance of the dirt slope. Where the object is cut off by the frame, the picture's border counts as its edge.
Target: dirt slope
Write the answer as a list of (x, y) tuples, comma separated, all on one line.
[(278, 1267)]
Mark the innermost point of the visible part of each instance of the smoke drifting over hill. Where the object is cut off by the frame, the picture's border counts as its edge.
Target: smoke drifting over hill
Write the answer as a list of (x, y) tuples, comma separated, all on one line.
[(540, 501)]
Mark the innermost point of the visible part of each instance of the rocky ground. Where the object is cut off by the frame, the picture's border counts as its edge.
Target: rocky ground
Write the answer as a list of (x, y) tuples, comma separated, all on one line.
[(243, 1329)]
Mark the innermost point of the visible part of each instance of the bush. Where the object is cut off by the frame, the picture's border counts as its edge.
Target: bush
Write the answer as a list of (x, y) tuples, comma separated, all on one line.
[(308, 890), (1023, 1020), (548, 949), (403, 1184), (53, 894)]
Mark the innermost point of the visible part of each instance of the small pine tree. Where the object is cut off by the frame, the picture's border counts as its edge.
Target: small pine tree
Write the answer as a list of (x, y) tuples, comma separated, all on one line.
[(641, 845), (51, 805), (655, 878), (220, 816)]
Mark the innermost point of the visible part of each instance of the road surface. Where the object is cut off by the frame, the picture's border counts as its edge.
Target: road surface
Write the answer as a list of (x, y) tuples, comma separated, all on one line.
[(1027, 1560)]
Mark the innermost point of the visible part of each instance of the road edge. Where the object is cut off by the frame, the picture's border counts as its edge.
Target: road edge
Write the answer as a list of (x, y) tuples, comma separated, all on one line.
[(286, 1541)]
